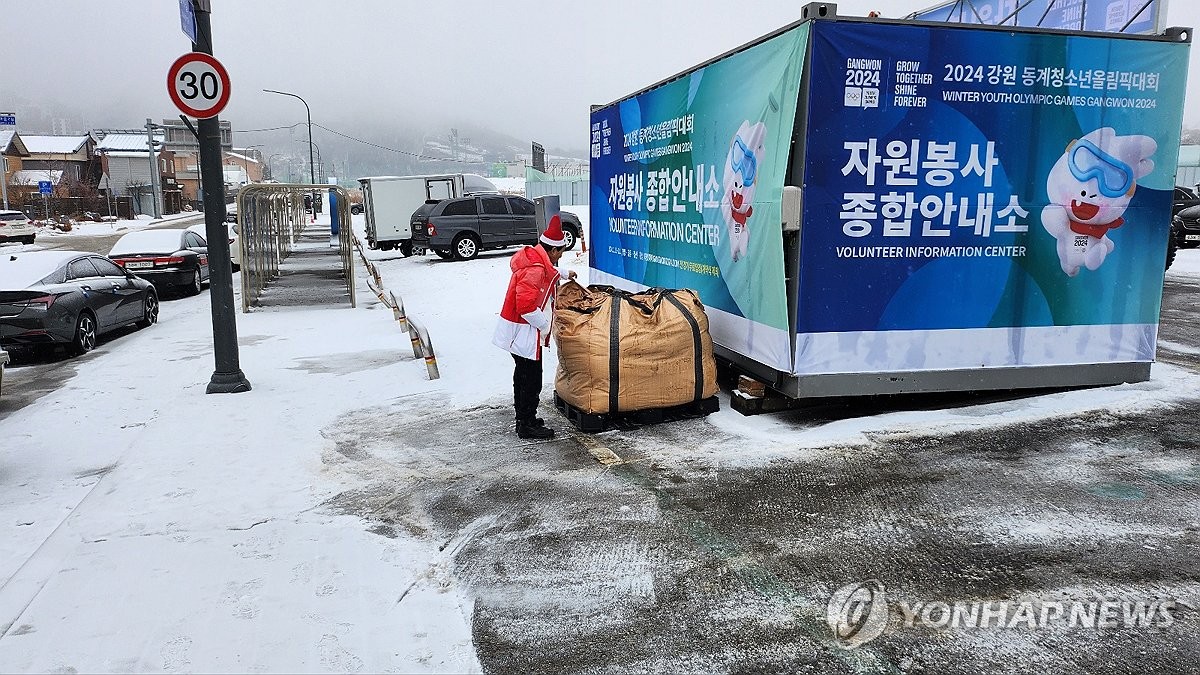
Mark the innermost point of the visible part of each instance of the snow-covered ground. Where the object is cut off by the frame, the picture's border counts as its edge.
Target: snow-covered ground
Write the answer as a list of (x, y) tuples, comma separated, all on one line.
[(148, 526), (91, 229)]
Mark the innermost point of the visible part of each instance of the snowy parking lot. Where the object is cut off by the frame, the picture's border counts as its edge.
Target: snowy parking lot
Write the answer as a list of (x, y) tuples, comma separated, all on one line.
[(350, 515)]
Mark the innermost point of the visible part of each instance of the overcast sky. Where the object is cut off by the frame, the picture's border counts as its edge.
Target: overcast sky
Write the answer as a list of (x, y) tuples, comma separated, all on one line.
[(530, 69)]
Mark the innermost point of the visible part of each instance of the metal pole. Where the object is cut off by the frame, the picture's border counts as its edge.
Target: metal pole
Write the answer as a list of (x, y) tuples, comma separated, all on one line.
[(312, 176), (155, 186), (227, 377)]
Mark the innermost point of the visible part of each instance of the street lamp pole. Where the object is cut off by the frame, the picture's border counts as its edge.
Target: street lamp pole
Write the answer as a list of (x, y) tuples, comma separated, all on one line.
[(312, 176), (246, 164), (270, 166)]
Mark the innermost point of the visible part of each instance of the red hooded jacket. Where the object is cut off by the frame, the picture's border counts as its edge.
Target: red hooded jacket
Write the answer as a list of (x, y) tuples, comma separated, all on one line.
[(524, 325)]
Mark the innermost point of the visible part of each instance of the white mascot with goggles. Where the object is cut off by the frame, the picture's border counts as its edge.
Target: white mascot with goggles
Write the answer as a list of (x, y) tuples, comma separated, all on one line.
[(746, 153), (1089, 188)]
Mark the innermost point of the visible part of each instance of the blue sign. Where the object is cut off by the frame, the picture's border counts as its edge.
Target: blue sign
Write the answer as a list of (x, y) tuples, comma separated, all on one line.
[(8, 120), (984, 198), (1110, 16), (45, 187), (686, 183), (187, 19)]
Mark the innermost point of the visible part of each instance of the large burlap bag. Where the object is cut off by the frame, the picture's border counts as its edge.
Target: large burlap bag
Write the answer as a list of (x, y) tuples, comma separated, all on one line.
[(621, 351)]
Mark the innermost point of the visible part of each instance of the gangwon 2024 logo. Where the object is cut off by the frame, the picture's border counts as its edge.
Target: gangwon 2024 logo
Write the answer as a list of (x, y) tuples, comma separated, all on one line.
[(857, 613)]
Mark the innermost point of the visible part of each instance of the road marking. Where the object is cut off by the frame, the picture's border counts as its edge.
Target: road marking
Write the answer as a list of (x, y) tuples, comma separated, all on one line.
[(602, 454)]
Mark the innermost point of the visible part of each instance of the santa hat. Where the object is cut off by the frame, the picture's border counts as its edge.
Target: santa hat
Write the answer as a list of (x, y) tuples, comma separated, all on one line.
[(553, 236)]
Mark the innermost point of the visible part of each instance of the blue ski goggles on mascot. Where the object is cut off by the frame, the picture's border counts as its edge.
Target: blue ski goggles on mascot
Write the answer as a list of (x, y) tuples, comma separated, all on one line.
[(1088, 161), (743, 161)]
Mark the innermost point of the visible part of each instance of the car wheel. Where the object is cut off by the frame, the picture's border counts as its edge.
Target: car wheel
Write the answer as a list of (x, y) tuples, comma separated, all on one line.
[(149, 310), (571, 237), (196, 286), (85, 334), (465, 247), (444, 253), (406, 247), (30, 239), (1171, 246)]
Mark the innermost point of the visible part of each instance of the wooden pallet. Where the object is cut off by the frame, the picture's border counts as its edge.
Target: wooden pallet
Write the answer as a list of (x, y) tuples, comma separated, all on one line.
[(595, 422)]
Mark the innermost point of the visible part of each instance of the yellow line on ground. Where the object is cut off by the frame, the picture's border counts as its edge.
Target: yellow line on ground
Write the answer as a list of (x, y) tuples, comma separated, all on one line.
[(602, 454)]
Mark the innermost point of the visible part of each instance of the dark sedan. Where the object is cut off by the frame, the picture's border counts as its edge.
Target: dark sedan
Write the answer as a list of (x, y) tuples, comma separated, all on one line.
[(167, 258), (68, 298)]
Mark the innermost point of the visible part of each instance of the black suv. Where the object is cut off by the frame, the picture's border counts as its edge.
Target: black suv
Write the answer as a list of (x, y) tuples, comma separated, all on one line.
[(460, 228), (1185, 226)]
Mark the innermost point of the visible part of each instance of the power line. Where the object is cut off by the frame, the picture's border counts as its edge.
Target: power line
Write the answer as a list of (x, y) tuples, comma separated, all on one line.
[(246, 131), (359, 140)]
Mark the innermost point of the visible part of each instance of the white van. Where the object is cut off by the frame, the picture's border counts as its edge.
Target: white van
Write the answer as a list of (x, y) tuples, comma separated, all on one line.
[(389, 202)]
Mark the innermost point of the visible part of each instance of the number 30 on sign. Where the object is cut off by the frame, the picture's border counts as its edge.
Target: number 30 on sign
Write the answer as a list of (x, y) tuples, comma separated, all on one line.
[(198, 85)]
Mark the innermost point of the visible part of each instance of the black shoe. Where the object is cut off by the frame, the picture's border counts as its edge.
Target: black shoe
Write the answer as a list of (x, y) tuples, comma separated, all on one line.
[(535, 432), (537, 422)]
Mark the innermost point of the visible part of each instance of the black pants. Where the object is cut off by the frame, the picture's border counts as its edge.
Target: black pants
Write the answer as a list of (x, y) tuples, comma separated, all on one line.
[(527, 388)]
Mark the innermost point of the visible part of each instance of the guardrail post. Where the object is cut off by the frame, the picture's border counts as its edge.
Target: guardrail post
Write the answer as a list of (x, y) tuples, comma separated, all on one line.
[(431, 367), (398, 312)]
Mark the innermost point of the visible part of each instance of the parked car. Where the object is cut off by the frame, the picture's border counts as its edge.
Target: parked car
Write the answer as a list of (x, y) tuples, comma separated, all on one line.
[(235, 242), (175, 259), (3, 362), (1183, 198), (231, 213), (16, 226), (1186, 227), (69, 298), (356, 209), (460, 228)]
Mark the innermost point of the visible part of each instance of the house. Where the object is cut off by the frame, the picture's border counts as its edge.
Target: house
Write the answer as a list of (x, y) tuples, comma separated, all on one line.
[(71, 158), (125, 163), (185, 150), (12, 153), (243, 165)]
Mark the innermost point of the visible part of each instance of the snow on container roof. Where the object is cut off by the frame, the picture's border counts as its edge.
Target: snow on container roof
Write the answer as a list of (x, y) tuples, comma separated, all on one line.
[(149, 241), (54, 145), (22, 270)]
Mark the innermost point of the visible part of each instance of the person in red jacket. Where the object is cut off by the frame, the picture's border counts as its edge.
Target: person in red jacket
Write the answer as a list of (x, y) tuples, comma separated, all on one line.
[(524, 326)]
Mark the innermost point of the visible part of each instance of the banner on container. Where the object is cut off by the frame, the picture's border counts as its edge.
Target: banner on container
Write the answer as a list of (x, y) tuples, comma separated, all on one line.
[(977, 199), (686, 184)]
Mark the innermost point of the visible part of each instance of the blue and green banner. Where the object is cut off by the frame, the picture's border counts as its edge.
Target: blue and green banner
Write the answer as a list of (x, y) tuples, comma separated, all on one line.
[(686, 184), (978, 198)]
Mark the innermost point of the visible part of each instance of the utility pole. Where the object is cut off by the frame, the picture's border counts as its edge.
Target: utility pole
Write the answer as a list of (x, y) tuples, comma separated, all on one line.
[(227, 377), (155, 181)]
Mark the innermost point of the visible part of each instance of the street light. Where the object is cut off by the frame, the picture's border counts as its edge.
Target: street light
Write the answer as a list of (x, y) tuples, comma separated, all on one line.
[(245, 164), (271, 167), (312, 175), (320, 162)]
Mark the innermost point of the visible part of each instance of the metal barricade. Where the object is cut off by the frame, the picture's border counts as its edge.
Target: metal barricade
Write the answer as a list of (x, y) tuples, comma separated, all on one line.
[(271, 217)]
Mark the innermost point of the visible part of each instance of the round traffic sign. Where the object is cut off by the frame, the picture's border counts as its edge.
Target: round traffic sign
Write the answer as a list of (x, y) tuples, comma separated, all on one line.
[(198, 85)]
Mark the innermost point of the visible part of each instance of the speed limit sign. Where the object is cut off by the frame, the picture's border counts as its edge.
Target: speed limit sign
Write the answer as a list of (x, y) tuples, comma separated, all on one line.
[(199, 85)]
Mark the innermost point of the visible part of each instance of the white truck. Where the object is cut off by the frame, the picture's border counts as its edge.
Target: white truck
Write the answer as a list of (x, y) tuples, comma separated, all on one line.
[(389, 202)]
